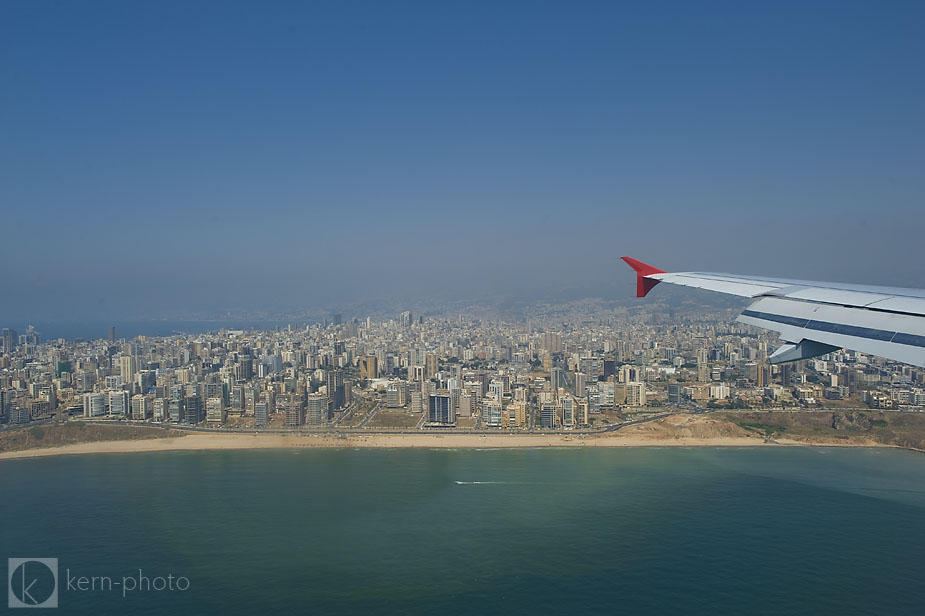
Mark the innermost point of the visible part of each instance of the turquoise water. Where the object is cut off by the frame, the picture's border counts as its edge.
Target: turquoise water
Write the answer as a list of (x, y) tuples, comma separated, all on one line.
[(655, 530)]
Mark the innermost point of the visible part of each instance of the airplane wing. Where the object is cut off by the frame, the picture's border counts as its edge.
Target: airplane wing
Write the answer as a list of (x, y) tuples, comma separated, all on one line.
[(815, 318)]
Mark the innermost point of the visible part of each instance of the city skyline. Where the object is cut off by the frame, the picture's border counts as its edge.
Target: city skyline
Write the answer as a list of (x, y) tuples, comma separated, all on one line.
[(585, 370)]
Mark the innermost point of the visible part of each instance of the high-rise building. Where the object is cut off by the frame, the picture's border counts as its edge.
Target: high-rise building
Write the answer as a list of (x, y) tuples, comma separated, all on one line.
[(548, 415), (295, 411), (118, 402), (430, 365), (569, 411), (636, 394), (583, 411), (719, 391), (629, 374), (237, 399), (128, 366), (30, 337), (193, 409), (215, 410), (396, 395), (786, 374), (39, 409), (9, 339), (546, 360), (244, 369), (591, 366), (160, 409), (556, 379), (491, 413), (211, 390), (112, 334), (369, 367), (762, 375), (318, 405), (517, 414), (441, 409), (84, 381), (46, 393), (250, 399), (336, 392), (552, 342), (580, 384), (139, 407), (146, 380), (404, 319), (94, 405), (417, 402), (674, 393), (176, 411), (416, 373), (261, 414), (466, 403), (20, 414)]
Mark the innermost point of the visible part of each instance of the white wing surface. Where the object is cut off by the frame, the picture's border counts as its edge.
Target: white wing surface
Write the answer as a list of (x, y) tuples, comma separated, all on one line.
[(815, 318)]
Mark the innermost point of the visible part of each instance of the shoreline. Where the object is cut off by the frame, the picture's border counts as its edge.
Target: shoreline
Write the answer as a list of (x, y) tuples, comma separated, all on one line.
[(214, 442)]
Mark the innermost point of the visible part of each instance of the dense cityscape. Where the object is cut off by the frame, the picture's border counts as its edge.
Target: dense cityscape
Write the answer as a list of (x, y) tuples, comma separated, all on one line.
[(586, 368)]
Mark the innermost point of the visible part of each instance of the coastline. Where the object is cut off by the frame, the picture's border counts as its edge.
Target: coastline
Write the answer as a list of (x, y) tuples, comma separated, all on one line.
[(211, 442)]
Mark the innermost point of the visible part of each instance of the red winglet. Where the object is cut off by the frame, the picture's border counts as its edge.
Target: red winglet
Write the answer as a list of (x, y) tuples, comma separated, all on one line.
[(643, 284)]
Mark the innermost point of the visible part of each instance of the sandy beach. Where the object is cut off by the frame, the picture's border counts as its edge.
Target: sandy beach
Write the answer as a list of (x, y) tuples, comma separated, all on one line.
[(651, 435), (680, 430), (199, 441)]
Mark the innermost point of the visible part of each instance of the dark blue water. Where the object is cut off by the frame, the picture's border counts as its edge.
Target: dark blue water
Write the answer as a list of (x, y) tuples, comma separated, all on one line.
[(655, 530)]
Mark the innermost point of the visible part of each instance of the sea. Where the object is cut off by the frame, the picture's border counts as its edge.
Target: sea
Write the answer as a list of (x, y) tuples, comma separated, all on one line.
[(789, 530)]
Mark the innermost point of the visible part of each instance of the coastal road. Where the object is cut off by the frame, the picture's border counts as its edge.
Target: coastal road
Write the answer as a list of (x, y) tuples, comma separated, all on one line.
[(370, 416), (633, 422), (344, 414), (416, 430)]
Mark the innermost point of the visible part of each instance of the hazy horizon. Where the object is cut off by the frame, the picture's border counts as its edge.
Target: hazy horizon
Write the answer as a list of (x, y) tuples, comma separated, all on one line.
[(167, 158)]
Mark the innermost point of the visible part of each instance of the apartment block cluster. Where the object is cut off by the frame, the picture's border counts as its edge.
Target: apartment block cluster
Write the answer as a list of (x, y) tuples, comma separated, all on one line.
[(560, 368), (176, 380)]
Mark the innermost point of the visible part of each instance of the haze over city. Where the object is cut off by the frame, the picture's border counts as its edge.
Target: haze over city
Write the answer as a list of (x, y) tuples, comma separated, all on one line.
[(171, 156)]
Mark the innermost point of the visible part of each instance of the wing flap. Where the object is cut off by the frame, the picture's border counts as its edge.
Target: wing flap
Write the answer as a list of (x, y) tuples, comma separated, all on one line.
[(838, 296), (908, 305), (895, 336)]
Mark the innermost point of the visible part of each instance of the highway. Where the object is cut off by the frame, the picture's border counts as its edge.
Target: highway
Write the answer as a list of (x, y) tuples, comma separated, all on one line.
[(361, 429), (344, 414), (370, 416)]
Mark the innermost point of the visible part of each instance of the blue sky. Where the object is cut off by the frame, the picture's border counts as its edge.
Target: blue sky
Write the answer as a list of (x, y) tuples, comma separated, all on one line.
[(163, 156)]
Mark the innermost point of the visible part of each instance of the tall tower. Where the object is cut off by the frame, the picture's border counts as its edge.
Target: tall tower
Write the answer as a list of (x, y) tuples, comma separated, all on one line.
[(441, 409), (430, 365), (128, 366), (335, 383), (317, 409), (555, 379)]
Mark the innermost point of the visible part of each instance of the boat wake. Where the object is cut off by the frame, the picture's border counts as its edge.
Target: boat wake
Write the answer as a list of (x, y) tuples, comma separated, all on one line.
[(476, 483)]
